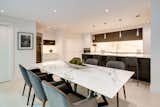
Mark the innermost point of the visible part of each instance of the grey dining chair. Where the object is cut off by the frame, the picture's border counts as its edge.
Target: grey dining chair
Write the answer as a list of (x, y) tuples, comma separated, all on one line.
[(57, 98), (92, 61), (38, 89), (133, 64), (28, 83), (118, 65)]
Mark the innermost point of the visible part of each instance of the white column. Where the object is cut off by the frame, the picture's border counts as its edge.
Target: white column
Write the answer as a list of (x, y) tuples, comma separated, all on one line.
[(155, 47)]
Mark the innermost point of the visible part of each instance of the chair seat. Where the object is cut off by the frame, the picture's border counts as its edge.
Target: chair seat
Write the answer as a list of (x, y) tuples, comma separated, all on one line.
[(74, 97), (45, 76), (91, 102)]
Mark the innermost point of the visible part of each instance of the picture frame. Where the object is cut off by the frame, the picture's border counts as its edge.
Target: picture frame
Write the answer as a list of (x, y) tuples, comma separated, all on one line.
[(25, 41)]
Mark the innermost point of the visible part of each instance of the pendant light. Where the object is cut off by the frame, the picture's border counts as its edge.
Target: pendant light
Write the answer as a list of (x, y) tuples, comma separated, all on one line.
[(120, 34), (93, 37), (105, 36), (137, 33)]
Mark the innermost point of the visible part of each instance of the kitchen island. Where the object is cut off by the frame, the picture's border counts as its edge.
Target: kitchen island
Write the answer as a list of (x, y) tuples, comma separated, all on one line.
[(139, 63)]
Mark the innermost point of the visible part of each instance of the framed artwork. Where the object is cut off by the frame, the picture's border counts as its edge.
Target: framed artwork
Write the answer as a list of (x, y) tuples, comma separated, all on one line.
[(25, 41)]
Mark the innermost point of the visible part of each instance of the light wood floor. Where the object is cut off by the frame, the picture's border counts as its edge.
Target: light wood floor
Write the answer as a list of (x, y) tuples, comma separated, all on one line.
[(137, 96)]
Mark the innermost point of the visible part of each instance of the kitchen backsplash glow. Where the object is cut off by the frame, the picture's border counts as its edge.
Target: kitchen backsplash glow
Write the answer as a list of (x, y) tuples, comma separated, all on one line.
[(135, 46)]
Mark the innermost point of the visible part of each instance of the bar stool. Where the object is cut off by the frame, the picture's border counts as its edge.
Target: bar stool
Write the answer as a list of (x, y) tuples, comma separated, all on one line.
[(133, 63), (118, 65)]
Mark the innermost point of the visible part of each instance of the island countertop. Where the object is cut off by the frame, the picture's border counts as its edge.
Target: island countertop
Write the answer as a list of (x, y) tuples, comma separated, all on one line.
[(139, 63), (119, 54)]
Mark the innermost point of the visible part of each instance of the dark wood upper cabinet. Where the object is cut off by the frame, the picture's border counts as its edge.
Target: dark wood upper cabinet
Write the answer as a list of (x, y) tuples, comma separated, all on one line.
[(114, 36), (48, 42)]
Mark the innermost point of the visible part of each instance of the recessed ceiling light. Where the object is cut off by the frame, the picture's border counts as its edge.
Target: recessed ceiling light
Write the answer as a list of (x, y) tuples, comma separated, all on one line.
[(54, 11), (2, 11), (106, 10)]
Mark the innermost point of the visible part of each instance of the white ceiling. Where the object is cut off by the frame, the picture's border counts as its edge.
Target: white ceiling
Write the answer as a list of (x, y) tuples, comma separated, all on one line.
[(79, 16)]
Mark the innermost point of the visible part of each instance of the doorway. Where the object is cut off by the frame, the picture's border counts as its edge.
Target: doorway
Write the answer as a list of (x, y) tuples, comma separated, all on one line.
[(6, 53), (39, 48)]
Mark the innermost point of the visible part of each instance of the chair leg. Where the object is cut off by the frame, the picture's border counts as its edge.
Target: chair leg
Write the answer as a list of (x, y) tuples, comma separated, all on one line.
[(44, 104), (88, 91), (137, 72), (24, 89), (124, 90), (29, 93), (33, 100)]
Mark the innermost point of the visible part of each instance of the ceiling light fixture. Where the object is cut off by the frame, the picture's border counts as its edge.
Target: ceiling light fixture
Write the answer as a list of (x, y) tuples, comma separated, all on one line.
[(93, 37), (105, 36), (137, 33), (106, 10), (54, 11), (120, 34), (2, 11)]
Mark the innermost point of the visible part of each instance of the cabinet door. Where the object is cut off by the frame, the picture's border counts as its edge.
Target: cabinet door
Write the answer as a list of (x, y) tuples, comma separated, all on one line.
[(145, 69)]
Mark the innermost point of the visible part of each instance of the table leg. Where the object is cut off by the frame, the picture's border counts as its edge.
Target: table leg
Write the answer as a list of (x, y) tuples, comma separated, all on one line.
[(68, 84), (75, 87), (137, 72), (117, 100), (103, 103)]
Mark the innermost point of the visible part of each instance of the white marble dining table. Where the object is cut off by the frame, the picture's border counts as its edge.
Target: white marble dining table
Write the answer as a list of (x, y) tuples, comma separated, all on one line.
[(103, 80)]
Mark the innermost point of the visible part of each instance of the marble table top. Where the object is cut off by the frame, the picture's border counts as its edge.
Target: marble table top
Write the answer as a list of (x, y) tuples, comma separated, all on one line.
[(103, 80)]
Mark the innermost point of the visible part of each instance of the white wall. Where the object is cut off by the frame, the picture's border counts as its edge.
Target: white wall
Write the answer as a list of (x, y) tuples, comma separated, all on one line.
[(67, 46), (87, 40), (49, 35), (147, 39), (59, 37), (21, 56), (73, 46), (155, 50), (60, 45)]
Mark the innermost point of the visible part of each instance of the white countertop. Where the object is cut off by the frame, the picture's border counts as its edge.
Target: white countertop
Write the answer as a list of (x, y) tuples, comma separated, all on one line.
[(103, 80), (119, 54)]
